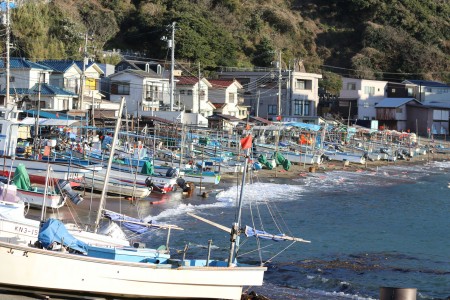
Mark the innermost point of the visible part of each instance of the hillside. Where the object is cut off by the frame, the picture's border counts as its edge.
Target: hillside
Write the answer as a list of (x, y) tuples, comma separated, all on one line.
[(373, 39)]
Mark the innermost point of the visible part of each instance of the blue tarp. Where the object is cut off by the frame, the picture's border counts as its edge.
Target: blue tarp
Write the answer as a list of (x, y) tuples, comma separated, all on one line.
[(54, 231), (312, 127), (249, 231), (131, 224)]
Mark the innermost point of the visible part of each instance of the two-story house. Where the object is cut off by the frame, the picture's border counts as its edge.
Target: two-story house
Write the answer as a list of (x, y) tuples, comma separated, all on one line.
[(68, 75), (223, 94), (30, 87), (426, 91), (303, 97), (264, 89), (191, 95), (144, 92), (358, 98)]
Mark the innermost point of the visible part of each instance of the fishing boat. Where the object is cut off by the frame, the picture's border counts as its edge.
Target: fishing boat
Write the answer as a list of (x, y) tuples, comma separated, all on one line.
[(16, 228), (95, 180), (37, 196)]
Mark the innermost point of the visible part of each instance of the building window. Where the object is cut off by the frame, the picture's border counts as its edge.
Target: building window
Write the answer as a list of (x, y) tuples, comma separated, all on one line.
[(231, 97), (399, 110), (410, 91), (300, 84), (366, 104), (351, 86), (301, 107), (12, 79), (369, 90), (271, 109), (152, 93), (120, 88), (392, 90), (189, 92), (182, 92)]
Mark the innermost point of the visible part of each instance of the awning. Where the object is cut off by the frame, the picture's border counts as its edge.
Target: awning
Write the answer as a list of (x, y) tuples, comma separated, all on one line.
[(47, 122)]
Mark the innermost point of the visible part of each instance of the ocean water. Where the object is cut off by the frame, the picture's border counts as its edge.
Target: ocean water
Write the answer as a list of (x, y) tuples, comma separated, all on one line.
[(388, 227)]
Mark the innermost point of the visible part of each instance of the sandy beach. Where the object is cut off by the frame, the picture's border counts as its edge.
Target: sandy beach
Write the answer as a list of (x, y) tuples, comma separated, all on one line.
[(301, 170)]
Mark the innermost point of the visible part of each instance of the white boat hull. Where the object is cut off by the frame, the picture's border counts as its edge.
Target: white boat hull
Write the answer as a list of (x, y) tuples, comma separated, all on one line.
[(16, 229), (37, 199), (96, 181), (303, 158), (65, 273)]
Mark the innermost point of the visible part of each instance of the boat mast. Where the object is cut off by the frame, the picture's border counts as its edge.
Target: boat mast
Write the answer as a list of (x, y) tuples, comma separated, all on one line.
[(7, 63), (237, 224), (108, 168)]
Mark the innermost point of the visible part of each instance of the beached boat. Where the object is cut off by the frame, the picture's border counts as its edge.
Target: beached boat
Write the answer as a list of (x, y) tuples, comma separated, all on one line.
[(37, 196), (16, 228), (95, 180)]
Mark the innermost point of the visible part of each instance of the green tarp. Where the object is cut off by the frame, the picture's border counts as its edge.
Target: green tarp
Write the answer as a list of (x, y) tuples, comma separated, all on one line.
[(148, 168), (280, 160), (263, 160), (21, 178)]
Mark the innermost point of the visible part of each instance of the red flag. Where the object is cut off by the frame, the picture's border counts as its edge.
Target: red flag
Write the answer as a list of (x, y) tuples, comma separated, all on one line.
[(246, 142), (278, 118)]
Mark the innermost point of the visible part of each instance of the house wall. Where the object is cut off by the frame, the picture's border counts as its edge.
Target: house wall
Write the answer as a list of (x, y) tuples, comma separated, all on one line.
[(367, 92), (306, 91), (68, 80), (228, 95), (136, 100), (438, 94), (136, 93), (419, 119), (27, 78), (187, 95)]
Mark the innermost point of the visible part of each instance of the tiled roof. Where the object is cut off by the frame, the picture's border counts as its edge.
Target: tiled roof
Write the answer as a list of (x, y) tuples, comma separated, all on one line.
[(186, 80), (261, 120), (58, 65), (16, 91), (219, 105), (139, 73), (50, 90), (79, 64), (22, 63), (220, 83)]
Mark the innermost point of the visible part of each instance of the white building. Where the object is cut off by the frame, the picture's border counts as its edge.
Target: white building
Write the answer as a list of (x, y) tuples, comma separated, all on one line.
[(364, 94), (193, 95), (144, 92)]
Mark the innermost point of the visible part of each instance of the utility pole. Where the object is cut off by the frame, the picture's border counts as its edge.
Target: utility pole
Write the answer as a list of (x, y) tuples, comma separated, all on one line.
[(199, 90), (172, 46), (83, 74), (7, 63), (36, 127), (257, 103), (279, 85)]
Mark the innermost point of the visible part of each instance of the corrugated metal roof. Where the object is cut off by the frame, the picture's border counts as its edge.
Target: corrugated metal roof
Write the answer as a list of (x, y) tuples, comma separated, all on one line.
[(22, 63), (427, 83), (395, 102)]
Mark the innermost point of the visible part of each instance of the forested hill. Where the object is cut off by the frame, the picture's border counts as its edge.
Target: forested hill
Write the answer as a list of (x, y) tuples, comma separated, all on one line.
[(378, 39)]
